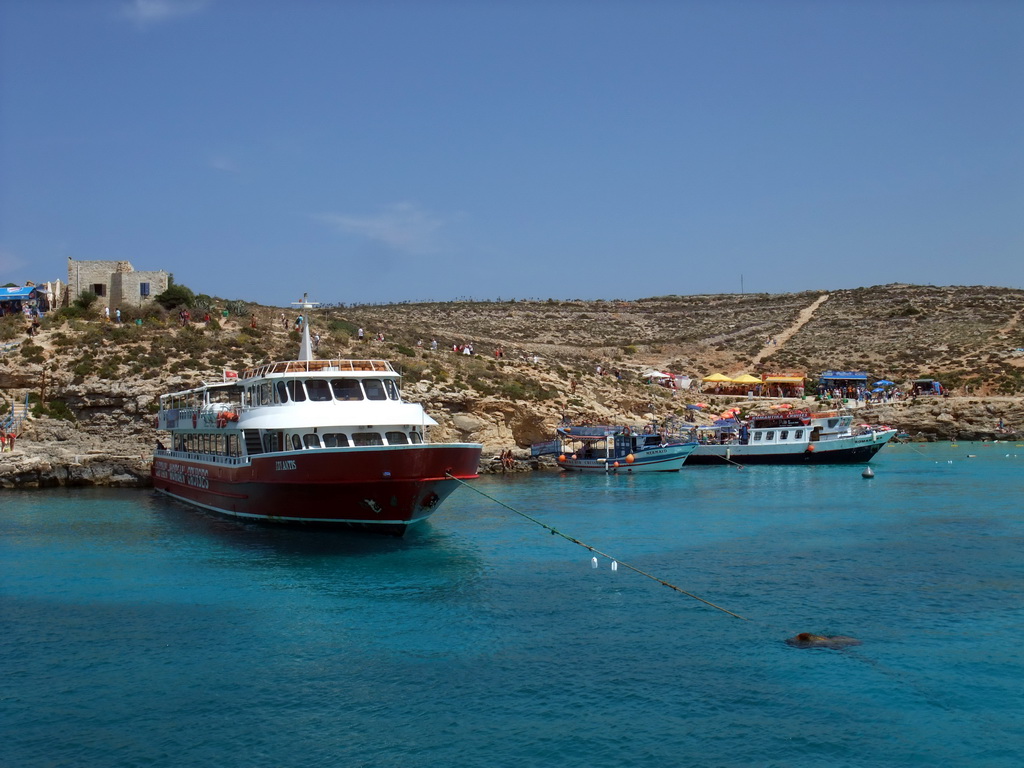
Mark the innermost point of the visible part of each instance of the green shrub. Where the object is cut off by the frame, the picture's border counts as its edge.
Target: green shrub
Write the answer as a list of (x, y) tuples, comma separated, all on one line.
[(31, 352), (175, 296), (55, 409), (85, 300), (238, 308)]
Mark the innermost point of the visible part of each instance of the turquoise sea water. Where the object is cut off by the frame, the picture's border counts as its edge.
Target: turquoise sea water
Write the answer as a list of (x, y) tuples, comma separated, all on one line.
[(135, 631)]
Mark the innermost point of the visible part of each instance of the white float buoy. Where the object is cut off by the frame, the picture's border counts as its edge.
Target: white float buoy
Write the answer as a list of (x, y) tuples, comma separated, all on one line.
[(868, 473), (615, 565), (593, 562)]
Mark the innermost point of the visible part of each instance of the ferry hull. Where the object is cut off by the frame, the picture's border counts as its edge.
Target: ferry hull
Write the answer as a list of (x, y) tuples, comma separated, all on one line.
[(380, 489), (853, 451)]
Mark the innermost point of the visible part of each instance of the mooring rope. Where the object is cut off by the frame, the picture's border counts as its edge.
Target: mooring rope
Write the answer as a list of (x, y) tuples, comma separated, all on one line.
[(730, 461), (555, 532)]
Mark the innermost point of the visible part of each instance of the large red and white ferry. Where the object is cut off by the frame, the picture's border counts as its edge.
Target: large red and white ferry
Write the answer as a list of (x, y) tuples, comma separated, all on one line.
[(308, 442)]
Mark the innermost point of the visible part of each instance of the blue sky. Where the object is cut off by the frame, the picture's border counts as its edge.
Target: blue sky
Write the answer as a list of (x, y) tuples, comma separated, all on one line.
[(394, 151)]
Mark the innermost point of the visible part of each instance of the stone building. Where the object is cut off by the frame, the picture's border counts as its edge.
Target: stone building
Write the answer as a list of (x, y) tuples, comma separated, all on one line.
[(115, 283)]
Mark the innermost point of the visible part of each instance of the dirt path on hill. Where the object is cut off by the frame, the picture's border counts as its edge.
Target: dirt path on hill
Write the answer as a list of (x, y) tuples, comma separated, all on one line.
[(1012, 324), (802, 319)]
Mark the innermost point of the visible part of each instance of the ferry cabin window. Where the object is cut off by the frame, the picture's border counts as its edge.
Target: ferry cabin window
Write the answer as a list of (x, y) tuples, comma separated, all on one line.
[(396, 438), (346, 389), (415, 438), (798, 435), (295, 391), (266, 396), (391, 388), (296, 442), (335, 440), (757, 436), (366, 438), (784, 434), (311, 441), (769, 435), (374, 389), (318, 390)]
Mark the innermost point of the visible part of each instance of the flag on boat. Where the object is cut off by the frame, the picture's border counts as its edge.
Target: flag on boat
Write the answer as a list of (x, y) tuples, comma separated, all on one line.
[(230, 375)]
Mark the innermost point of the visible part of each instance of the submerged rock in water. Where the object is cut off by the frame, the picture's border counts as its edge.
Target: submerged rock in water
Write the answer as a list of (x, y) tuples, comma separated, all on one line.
[(835, 642)]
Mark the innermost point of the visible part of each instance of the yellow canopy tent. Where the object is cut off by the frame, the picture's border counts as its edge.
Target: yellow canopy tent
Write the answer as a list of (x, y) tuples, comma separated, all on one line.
[(783, 379), (717, 378), (746, 378)]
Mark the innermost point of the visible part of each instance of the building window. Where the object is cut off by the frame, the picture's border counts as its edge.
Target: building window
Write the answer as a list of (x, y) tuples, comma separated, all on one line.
[(143, 289), (100, 289)]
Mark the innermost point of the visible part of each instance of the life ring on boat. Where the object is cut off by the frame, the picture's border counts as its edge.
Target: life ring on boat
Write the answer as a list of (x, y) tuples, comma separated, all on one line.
[(625, 431)]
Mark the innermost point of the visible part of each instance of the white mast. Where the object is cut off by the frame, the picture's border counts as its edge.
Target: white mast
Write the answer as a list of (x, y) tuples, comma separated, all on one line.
[(305, 348)]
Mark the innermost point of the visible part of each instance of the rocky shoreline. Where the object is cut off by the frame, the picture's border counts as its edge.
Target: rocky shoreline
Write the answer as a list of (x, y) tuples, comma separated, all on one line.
[(52, 453)]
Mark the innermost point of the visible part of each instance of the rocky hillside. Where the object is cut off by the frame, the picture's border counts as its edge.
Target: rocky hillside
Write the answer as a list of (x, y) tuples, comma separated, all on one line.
[(93, 386)]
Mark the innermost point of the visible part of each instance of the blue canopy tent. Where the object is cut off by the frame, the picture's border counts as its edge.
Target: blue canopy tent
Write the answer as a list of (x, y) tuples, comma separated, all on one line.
[(884, 383), (13, 298)]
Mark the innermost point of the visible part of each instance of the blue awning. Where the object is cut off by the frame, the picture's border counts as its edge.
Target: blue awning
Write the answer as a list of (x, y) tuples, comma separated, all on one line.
[(28, 292), (844, 375)]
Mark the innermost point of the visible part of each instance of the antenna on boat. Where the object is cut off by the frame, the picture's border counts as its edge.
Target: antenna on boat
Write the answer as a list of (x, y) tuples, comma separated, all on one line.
[(305, 348)]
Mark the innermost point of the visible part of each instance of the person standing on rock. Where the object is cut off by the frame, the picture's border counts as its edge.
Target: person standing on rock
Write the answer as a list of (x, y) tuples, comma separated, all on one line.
[(106, 314)]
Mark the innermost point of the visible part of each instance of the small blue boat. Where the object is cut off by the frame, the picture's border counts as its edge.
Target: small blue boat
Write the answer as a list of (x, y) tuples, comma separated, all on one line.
[(615, 449)]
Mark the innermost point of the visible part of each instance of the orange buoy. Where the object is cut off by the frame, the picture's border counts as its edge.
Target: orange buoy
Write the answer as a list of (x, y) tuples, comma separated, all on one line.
[(630, 459)]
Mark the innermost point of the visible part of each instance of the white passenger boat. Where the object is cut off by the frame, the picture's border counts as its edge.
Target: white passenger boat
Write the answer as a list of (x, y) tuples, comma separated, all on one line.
[(795, 437)]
